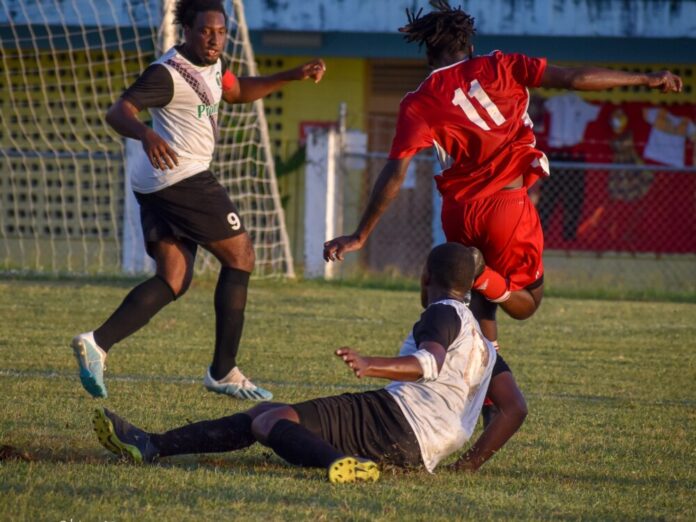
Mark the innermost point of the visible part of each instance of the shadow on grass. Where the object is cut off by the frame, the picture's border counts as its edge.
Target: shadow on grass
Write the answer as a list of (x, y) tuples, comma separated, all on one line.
[(265, 464), (366, 281), (593, 479)]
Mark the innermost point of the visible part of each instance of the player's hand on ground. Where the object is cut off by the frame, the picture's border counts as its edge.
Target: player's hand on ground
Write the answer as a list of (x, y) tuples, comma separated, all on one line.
[(336, 249), (462, 465), (353, 360), (665, 81), (314, 70), (158, 151)]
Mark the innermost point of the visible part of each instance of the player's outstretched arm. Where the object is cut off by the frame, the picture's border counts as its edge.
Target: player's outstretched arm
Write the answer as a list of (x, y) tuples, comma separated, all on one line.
[(383, 193), (123, 118), (512, 410), (599, 79), (250, 88), (403, 368)]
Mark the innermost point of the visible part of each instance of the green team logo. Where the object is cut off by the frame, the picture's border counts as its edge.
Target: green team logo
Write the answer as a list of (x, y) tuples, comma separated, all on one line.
[(207, 110)]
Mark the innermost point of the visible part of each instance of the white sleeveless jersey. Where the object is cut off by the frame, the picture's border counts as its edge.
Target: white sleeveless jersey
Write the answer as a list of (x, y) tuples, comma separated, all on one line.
[(188, 123), (443, 412)]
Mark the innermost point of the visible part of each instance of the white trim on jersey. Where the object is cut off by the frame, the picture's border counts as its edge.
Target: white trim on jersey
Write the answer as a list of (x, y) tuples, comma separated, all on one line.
[(446, 161), (431, 73), (526, 119), (428, 365), (445, 67)]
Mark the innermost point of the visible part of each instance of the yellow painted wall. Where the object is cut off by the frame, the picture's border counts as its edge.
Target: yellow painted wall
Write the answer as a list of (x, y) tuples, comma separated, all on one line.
[(344, 81), (348, 80)]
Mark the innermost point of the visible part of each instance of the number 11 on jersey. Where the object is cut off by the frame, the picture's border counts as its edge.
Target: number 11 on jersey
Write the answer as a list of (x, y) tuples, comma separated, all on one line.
[(476, 91)]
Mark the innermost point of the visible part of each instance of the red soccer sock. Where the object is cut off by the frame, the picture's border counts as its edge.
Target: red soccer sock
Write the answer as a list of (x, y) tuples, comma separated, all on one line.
[(492, 285)]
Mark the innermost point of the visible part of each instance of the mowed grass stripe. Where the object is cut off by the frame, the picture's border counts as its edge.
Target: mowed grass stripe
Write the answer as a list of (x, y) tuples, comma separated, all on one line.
[(173, 379), (48, 375)]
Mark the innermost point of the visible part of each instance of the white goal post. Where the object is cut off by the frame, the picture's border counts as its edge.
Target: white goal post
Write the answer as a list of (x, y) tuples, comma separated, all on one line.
[(63, 199)]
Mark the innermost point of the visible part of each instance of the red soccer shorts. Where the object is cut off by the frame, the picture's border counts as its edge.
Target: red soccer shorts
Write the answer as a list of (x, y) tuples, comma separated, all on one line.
[(505, 227)]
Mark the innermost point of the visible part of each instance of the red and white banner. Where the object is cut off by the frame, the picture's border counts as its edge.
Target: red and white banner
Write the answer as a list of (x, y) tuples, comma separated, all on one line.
[(618, 209)]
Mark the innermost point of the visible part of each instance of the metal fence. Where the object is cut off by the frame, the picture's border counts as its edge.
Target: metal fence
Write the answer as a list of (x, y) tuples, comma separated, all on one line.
[(607, 226)]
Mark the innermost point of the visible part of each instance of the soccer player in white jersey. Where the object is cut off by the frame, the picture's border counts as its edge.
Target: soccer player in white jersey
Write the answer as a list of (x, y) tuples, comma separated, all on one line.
[(427, 412), (182, 203)]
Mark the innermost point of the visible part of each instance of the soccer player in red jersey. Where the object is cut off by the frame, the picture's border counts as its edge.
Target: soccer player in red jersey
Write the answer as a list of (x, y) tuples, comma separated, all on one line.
[(473, 111)]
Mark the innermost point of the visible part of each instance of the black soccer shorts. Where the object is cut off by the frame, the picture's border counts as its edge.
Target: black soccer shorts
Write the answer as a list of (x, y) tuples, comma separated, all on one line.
[(197, 209), (369, 425)]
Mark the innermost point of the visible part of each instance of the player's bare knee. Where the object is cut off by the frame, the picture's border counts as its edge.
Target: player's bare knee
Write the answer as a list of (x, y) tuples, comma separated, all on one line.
[(262, 425), (235, 252), (521, 305), (246, 258), (522, 314), (262, 408), (537, 293), (518, 409)]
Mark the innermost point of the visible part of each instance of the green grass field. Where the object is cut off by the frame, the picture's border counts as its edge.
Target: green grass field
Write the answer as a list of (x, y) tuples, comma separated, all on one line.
[(611, 387)]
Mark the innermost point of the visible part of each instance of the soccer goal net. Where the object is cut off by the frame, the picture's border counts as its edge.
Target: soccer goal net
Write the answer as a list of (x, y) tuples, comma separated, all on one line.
[(65, 203)]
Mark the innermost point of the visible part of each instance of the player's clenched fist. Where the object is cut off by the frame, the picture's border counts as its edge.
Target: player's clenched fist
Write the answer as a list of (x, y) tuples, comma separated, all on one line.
[(353, 360), (335, 249), (665, 81), (312, 70)]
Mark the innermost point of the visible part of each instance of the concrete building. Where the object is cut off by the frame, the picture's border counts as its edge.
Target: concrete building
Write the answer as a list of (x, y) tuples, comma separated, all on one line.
[(370, 67)]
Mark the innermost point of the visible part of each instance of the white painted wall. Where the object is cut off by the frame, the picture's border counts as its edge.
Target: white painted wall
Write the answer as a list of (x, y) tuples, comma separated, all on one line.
[(134, 259), (140, 13), (324, 209), (637, 18)]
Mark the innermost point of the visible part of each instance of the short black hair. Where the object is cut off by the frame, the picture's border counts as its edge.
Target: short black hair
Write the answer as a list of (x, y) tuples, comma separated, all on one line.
[(453, 266), (186, 11), (444, 29)]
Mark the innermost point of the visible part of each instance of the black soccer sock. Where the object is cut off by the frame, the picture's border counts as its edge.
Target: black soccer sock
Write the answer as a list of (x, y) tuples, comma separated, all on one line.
[(136, 310), (213, 436), (296, 444), (230, 301)]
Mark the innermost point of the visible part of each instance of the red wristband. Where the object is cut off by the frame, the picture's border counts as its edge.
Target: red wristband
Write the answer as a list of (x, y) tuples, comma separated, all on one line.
[(228, 80)]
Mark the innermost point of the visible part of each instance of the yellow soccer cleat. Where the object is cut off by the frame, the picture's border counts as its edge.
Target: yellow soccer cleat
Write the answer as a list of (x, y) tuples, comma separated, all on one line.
[(353, 469), (122, 438)]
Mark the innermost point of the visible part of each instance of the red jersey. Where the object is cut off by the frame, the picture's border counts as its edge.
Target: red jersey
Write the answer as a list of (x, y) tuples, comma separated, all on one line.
[(474, 113)]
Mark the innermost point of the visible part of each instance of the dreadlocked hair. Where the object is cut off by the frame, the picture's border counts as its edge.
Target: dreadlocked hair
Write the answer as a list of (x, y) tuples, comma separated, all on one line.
[(444, 29), (186, 10)]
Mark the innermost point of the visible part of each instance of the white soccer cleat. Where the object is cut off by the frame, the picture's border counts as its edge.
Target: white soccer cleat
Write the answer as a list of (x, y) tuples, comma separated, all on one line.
[(236, 385), (91, 360)]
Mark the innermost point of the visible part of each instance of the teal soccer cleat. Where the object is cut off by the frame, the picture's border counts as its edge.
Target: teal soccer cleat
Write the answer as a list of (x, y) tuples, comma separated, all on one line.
[(236, 385), (122, 438), (90, 359)]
